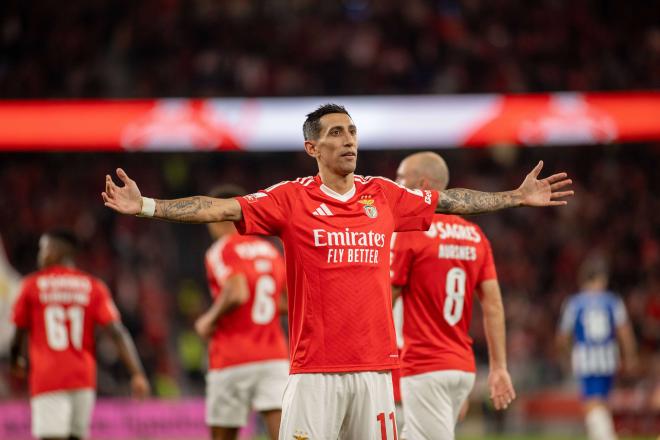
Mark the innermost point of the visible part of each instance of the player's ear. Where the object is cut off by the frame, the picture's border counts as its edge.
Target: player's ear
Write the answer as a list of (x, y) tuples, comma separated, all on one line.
[(311, 149)]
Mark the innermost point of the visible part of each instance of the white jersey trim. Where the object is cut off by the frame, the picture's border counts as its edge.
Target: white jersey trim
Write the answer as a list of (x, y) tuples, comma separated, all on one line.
[(335, 195), (304, 181), (417, 192)]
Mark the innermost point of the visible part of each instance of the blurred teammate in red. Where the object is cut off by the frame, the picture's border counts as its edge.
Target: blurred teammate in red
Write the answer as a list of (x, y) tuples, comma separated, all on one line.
[(56, 312), (336, 229), (437, 272), (248, 361)]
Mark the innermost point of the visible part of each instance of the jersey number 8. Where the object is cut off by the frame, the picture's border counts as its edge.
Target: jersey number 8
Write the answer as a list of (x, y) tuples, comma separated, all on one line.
[(455, 289)]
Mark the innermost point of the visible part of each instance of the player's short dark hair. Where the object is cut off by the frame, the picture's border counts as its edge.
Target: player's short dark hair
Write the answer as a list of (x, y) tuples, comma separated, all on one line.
[(593, 268), (312, 125), (227, 191), (65, 237)]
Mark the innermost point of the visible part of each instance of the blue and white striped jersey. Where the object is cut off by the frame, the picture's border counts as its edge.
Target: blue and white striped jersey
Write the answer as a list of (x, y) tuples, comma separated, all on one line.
[(592, 319)]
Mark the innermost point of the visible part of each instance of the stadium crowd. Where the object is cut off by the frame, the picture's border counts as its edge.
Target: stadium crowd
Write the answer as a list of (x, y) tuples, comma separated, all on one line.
[(121, 48), (156, 269)]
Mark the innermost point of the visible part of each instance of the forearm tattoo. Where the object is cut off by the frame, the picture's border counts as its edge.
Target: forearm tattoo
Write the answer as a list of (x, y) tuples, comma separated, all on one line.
[(467, 201), (186, 210)]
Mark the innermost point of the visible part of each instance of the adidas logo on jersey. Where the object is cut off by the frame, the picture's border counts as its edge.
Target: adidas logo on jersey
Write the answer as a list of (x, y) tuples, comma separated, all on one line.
[(322, 210)]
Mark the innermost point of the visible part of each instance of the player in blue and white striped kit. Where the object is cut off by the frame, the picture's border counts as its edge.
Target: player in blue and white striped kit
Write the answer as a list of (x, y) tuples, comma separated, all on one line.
[(596, 321)]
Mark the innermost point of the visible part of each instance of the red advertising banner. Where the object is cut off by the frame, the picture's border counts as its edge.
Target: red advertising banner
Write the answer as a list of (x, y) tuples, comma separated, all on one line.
[(572, 119), (275, 123)]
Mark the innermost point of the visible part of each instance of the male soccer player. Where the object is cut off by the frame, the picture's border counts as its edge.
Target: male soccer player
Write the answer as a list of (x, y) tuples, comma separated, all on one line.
[(248, 362), (56, 311), (336, 228), (594, 319), (437, 272)]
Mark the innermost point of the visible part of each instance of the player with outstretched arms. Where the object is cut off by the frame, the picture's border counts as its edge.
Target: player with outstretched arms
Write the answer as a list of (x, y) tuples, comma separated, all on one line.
[(596, 322), (56, 312), (248, 361), (336, 229), (436, 273)]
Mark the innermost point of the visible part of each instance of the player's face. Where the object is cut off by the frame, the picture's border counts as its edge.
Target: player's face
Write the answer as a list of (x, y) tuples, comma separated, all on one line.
[(337, 145), (407, 176)]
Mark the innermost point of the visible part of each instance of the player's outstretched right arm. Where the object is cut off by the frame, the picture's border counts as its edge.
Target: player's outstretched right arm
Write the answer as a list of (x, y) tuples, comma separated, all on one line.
[(197, 209)]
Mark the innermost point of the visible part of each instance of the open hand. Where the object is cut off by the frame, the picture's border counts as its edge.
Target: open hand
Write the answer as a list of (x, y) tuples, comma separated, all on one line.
[(123, 199), (501, 388), (140, 387), (544, 192), (19, 368), (204, 327), (464, 410)]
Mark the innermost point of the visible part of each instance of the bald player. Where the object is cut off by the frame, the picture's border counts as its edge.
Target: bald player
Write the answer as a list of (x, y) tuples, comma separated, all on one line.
[(437, 272)]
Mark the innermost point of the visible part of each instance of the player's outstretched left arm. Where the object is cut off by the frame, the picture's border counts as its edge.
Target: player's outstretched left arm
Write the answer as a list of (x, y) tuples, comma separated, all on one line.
[(197, 209), (532, 192)]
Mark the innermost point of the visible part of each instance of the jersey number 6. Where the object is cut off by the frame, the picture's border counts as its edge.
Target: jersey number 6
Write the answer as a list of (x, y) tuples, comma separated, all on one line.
[(263, 308)]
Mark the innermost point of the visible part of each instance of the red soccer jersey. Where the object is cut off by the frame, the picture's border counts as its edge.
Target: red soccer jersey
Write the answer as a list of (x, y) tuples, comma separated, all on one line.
[(59, 307), (439, 270), (337, 262), (252, 331)]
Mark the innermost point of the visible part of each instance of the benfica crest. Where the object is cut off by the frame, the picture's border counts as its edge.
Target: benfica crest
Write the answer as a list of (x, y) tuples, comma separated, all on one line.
[(371, 211), (369, 208)]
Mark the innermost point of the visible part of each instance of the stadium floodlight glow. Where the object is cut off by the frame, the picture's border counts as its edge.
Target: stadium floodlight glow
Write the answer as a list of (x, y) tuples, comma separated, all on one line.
[(274, 124)]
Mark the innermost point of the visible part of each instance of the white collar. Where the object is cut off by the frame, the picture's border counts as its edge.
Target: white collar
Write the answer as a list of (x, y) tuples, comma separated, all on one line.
[(335, 195)]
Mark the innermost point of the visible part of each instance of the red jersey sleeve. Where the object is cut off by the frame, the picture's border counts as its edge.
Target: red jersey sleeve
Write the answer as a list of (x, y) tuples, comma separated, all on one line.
[(21, 310), (412, 209), (214, 287), (105, 310), (401, 260), (488, 271), (221, 261), (265, 212)]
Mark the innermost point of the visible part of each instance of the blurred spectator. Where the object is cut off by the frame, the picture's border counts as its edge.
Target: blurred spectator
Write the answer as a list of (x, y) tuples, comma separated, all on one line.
[(122, 48)]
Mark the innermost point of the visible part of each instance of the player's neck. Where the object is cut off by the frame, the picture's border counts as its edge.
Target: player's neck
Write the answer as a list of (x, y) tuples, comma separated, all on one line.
[(61, 263), (341, 184), (594, 286)]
